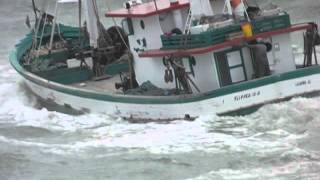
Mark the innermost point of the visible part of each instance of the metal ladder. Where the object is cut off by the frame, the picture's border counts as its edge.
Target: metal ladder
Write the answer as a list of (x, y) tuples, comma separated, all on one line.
[(187, 80), (186, 29)]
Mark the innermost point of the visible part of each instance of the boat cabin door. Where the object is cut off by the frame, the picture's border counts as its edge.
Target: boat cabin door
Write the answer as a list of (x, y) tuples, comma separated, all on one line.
[(230, 67)]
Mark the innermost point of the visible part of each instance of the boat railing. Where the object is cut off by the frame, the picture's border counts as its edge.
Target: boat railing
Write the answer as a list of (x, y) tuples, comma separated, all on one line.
[(214, 36)]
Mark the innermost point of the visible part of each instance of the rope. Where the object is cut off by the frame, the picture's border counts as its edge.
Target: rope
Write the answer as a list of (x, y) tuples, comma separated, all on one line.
[(95, 8), (120, 34), (101, 29)]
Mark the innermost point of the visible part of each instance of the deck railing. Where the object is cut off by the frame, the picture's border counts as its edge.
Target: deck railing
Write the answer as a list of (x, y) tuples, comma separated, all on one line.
[(219, 35)]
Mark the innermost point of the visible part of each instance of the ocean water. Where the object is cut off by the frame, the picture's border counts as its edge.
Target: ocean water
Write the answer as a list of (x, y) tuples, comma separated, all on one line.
[(279, 142)]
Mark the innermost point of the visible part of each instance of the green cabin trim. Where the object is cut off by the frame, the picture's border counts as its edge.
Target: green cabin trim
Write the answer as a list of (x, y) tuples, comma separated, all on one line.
[(67, 75), (115, 69)]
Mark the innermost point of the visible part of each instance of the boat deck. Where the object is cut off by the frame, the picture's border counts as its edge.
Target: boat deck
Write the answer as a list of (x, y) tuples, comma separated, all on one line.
[(104, 85)]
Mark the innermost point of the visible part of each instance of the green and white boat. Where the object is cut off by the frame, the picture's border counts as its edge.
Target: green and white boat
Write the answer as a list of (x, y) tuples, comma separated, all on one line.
[(169, 59)]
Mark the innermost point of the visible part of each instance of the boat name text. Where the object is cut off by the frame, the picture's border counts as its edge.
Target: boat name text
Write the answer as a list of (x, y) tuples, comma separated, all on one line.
[(303, 83), (247, 96)]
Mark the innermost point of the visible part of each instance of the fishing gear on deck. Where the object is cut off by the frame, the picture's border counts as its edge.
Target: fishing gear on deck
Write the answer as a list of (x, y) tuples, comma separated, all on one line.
[(181, 76)]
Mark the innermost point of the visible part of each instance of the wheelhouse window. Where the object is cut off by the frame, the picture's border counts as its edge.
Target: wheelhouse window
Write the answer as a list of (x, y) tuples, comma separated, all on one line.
[(230, 67)]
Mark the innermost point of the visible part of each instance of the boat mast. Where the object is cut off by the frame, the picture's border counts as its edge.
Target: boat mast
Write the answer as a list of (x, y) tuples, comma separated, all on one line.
[(92, 21), (53, 26), (38, 19)]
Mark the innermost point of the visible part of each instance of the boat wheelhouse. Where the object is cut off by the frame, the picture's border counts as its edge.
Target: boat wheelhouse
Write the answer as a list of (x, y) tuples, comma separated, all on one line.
[(170, 59)]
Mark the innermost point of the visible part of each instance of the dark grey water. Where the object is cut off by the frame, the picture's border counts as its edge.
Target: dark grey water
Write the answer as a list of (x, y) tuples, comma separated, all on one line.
[(279, 142)]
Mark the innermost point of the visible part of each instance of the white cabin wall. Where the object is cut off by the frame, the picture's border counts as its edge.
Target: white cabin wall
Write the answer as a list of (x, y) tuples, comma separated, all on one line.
[(151, 32), (175, 19), (167, 22), (155, 73), (271, 55), (178, 19), (148, 69), (217, 6), (206, 77), (283, 54), (185, 13), (200, 8)]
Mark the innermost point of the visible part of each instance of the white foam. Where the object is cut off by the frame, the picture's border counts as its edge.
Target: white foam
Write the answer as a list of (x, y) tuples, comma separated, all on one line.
[(302, 169), (286, 122), (238, 134)]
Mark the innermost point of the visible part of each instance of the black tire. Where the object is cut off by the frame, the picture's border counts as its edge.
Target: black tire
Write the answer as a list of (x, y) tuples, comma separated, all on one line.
[(116, 39), (176, 31)]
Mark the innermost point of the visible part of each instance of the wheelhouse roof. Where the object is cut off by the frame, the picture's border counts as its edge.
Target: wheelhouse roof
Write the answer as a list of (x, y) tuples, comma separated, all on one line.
[(149, 9)]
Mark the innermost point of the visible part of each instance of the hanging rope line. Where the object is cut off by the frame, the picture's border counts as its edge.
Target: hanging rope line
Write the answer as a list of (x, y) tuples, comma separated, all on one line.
[(120, 34)]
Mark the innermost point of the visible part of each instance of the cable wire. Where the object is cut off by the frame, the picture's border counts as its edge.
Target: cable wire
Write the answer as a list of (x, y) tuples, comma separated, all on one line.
[(120, 34)]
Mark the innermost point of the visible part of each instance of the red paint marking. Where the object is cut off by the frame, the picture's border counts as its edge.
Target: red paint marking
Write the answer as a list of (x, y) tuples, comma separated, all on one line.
[(149, 9), (238, 41)]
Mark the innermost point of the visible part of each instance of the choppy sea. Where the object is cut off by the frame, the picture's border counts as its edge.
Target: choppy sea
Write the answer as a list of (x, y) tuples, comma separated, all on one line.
[(279, 142)]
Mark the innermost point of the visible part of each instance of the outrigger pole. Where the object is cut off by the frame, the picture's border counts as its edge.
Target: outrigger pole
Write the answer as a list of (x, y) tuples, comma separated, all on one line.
[(53, 26), (34, 8), (80, 6), (56, 17)]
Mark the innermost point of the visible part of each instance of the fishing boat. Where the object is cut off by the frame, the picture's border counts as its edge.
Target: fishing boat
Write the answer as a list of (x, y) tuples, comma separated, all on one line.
[(168, 59)]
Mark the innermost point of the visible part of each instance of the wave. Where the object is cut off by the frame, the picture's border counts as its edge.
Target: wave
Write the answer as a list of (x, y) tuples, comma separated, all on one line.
[(275, 127), (294, 170)]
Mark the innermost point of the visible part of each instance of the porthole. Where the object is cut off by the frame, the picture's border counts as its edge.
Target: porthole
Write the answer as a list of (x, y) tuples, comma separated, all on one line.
[(142, 24)]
